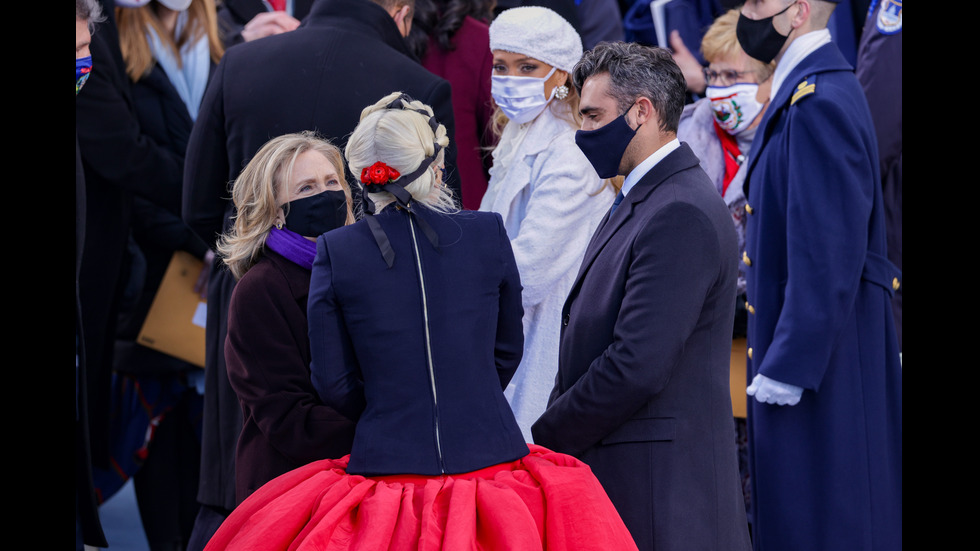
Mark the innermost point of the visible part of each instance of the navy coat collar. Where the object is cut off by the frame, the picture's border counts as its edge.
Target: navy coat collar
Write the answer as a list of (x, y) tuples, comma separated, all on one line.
[(825, 59)]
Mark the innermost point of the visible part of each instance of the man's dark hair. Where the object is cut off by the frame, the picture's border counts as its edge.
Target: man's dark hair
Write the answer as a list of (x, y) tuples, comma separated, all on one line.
[(636, 70)]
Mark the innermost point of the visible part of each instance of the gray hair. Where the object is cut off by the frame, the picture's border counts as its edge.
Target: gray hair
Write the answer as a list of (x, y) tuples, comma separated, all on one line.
[(634, 71), (90, 11)]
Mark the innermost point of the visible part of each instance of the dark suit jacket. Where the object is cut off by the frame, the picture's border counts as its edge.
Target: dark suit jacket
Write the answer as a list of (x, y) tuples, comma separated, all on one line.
[(346, 55), (268, 355), (372, 328), (642, 391)]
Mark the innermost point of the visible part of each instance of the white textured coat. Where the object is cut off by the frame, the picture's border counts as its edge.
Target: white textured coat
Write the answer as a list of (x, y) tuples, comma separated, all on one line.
[(551, 200)]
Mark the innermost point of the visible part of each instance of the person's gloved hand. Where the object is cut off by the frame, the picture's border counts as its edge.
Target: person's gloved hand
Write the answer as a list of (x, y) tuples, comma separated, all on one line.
[(769, 391)]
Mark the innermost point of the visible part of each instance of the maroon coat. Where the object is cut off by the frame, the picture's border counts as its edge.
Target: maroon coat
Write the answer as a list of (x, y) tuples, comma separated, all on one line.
[(285, 425), (468, 68)]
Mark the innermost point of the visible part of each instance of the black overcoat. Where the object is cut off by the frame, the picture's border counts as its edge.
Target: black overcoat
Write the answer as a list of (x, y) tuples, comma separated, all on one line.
[(642, 392)]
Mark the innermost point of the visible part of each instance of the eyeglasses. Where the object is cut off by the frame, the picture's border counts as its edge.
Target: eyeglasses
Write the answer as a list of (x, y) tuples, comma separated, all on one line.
[(723, 78)]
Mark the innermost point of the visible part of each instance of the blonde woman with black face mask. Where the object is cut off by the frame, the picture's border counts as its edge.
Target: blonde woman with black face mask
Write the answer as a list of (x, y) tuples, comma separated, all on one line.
[(292, 191)]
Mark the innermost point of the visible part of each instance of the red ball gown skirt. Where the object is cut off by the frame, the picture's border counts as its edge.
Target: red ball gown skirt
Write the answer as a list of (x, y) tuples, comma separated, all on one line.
[(545, 500)]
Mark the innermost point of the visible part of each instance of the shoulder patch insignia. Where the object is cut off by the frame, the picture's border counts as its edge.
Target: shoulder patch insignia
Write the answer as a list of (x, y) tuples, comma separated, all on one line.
[(890, 17), (805, 88)]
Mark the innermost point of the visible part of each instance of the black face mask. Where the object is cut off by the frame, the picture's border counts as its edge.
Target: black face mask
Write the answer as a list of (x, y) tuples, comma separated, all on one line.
[(317, 214), (759, 38), (604, 147)]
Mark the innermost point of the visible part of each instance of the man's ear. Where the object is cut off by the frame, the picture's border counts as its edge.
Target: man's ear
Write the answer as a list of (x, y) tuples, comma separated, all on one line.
[(644, 111)]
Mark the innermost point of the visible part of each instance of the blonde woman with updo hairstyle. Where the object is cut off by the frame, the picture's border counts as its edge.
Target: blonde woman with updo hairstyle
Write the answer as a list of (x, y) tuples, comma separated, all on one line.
[(403, 138), (415, 330), (291, 191), (546, 190)]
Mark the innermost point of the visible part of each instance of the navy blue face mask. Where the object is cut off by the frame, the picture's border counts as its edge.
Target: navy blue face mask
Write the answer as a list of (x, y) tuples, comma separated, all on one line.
[(317, 214), (604, 147)]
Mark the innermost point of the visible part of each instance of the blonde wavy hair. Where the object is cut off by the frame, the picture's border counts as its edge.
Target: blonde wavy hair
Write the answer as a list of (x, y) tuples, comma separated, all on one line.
[(401, 137), (256, 191), (133, 23)]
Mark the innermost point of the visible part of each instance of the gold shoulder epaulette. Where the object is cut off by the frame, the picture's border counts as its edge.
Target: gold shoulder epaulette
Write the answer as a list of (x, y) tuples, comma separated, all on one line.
[(803, 89)]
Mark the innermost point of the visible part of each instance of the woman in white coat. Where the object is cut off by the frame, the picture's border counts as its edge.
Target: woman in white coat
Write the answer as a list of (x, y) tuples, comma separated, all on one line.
[(547, 192)]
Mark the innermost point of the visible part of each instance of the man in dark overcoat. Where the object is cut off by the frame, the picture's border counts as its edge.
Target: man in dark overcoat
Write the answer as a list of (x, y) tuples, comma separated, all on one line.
[(345, 55), (825, 427), (642, 391)]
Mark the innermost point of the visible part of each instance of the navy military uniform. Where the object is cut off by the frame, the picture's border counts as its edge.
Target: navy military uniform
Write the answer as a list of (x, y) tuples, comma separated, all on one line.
[(827, 472)]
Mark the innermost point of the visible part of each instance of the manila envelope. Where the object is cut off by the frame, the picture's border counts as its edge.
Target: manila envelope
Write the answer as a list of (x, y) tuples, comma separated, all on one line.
[(175, 322)]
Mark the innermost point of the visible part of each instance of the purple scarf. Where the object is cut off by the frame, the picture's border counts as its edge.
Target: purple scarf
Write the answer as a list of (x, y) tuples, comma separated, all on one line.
[(293, 246)]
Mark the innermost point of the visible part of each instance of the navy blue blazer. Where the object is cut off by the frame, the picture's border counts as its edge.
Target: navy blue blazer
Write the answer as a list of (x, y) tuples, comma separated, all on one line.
[(419, 353), (642, 391)]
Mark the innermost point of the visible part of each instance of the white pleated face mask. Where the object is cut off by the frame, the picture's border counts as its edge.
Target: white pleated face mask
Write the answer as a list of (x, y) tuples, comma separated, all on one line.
[(735, 106), (176, 5), (520, 98)]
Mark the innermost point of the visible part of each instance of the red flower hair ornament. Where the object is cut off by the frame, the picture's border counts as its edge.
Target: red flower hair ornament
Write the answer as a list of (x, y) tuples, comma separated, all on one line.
[(379, 174)]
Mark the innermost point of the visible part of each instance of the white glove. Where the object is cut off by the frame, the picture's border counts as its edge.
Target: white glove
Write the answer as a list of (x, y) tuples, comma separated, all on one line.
[(769, 391)]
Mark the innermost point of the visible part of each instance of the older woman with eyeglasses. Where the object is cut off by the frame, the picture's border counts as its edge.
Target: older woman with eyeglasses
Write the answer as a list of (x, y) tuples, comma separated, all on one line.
[(720, 127)]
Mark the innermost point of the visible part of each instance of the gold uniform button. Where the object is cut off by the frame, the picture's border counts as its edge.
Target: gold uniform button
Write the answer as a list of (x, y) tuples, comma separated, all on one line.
[(896, 284), (748, 208), (745, 259), (750, 353), (751, 309)]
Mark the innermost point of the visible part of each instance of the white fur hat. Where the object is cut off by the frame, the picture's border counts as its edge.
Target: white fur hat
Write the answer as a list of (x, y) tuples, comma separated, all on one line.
[(537, 32)]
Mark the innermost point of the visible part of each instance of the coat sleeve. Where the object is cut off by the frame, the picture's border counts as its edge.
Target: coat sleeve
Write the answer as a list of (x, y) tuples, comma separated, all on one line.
[(333, 366), (205, 185), (267, 370), (556, 226), (830, 191), (674, 263), (509, 347), (109, 136)]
